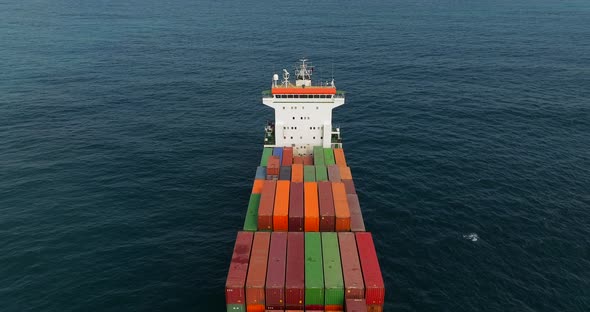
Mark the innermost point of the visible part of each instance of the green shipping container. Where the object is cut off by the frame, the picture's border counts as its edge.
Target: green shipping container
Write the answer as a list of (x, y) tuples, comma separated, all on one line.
[(308, 173), (251, 222), (334, 282), (321, 173), (329, 157), (266, 153), (318, 156), (314, 273), (236, 308)]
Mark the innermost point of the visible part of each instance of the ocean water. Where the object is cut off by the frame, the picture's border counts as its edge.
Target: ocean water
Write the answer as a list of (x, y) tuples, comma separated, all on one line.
[(130, 132)]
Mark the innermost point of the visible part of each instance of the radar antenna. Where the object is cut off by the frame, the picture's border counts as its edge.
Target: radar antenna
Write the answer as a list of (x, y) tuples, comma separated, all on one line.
[(285, 77)]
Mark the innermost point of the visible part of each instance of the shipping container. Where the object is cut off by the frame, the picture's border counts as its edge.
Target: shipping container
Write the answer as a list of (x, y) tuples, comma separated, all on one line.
[(318, 156), (257, 186), (297, 173), (296, 210), (312, 212), (339, 157), (251, 220), (321, 173), (266, 207), (275, 276), (354, 287), (278, 151), (326, 202), (281, 208), (374, 286), (333, 281), (298, 160), (309, 174), (356, 217), (287, 156), (260, 173), (349, 185), (375, 308), (308, 160), (266, 153), (345, 173), (272, 177), (329, 157), (314, 273), (341, 209), (238, 269), (285, 173), (236, 308), (257, 271), (274, 163), (334, 173), (356, 305), (295, 273)]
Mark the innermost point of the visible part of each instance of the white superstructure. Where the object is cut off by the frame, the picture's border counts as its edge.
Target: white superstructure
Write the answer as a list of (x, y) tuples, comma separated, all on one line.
[(303, 112)]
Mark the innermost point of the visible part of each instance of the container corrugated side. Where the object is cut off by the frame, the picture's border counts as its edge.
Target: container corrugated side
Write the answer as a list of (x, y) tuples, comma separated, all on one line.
[(235, 308), (374, 286), (298, 160), (266, 207), (314, 273), (341, 209), (257, 186), (274, 163), (297, 173), (285, 173), (349, 184), (260, 173), (308, 173), (296, 207), (329, 157), (266, 153), (251, 220), (318, 156), (356, 217), (308, 160), (321, 173), (374, 308), (339, 157), (295, 273), (333, 281), (238, 269), (257, 271), (275, 276), (312, 211), (326, 201), (334, 173), (278, 151), (281, 208), (356, 305), (354, 286), (345, 173), (287, 156)]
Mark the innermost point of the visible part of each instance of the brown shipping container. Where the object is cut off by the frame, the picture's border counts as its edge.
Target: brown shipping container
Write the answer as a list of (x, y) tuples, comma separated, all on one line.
[(339, 157), (349, 185), (297, 173), (265, 209), (356, 217), (374, 287), (238, 269), (274, 163), (333, 173), (257, 270), (341, 209), (287, 156), (296, 211), (345, 173), (354, 287), (356, 305), (308, 160), (295, 276), (275, 277), (327, 216), (298, 160)]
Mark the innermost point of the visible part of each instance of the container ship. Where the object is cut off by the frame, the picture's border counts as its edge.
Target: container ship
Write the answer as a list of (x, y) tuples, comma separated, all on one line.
[(303, 246)]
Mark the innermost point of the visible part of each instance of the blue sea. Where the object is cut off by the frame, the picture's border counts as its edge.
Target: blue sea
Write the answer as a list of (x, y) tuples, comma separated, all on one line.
[(130, 132)]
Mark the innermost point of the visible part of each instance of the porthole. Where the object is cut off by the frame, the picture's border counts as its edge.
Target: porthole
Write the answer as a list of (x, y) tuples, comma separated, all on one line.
[(293, 118)]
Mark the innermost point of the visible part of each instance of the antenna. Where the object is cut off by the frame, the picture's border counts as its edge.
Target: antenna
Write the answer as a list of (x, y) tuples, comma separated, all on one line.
[(285, 77)]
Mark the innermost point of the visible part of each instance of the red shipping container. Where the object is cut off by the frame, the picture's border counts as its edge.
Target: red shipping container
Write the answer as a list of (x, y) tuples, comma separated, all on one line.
[(375, 308), (356, 217), (308, 160), (298, 160), (257, 271), (274, 163), (275, 277), (333, 173), (265, 209), (295, 273), (356, 305), (374, 286), (287, 156), (296, 210), (349, 185), (354, 287), (238, 268), (327, 216)]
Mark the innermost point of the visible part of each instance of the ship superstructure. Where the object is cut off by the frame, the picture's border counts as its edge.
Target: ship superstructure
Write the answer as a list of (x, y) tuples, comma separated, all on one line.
[(303, 112)]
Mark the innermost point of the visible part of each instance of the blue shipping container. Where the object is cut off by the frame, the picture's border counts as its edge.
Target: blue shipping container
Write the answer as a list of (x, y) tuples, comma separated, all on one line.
[(260, 173), (278, 151)]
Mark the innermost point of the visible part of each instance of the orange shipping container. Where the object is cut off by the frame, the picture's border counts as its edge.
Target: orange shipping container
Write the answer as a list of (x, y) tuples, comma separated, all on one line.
[(297, 173), (345, 173), (312, 211), (281, 211), (257, 271), (257, 187), (339, 157), (341, 207)]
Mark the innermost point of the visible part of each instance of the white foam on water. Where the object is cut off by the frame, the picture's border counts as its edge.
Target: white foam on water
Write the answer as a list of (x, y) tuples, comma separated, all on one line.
[(471, 236)]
